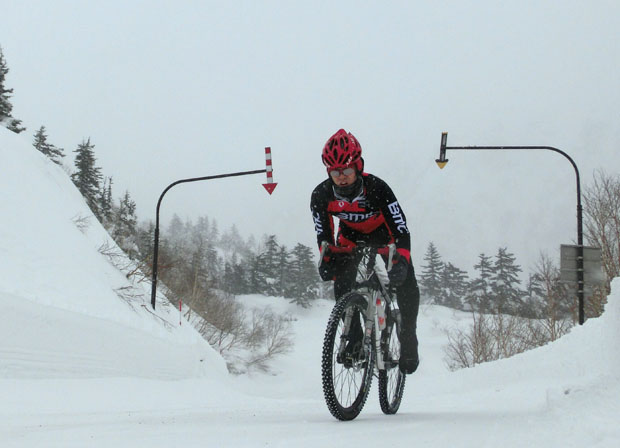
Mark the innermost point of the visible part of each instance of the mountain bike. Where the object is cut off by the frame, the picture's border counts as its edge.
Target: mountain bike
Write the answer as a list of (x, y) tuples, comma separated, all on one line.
[(348, 365)]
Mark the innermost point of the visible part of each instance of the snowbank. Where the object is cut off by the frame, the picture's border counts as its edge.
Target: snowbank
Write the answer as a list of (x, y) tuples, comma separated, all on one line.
[(61, 314)]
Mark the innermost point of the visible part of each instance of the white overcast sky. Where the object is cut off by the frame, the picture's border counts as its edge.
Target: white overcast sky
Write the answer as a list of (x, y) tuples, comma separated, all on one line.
[(174, 89)]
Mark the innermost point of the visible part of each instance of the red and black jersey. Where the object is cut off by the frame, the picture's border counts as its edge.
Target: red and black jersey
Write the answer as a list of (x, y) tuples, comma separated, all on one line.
[(373, 216)]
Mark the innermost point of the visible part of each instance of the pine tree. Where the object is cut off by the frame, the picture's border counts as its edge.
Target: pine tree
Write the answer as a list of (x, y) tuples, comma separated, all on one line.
[(430, 280), (234, 279), (203, 228), (228, 281), (106, 206), (176, 232), (51, 151), (282, 272), (453, 286), (198, 280), (303, 274), (507, 296), (269, 259), (256, 276), (125, 221), (240, 279), (87, 176), (214, 233), (6, 119), (533, 297), (213, 263), (479, 290), (534, 287), (145, 241), (231, 240)]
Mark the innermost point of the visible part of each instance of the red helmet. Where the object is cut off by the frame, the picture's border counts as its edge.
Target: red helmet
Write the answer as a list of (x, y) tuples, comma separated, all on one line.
[(342, 150)]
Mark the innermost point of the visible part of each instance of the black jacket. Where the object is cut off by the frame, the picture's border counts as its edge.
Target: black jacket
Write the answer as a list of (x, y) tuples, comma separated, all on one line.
[(374, 216)]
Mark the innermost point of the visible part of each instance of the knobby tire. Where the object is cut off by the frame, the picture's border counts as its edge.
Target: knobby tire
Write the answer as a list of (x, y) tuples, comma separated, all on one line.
[(345, 388)]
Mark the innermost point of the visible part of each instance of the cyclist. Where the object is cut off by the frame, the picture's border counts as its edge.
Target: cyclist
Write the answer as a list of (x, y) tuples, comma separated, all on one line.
[(368, 212)]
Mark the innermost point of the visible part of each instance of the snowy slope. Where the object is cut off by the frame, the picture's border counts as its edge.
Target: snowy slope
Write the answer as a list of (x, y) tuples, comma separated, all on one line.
[(61, 316), (81, 368)]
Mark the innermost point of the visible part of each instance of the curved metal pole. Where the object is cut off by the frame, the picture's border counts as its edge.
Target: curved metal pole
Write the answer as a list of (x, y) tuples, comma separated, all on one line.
[(580, 275), (156, 242)]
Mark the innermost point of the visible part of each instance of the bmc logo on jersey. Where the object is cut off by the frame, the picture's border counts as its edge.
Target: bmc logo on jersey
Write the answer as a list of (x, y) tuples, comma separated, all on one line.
[(398, 218), (355, 217), (318, 227)]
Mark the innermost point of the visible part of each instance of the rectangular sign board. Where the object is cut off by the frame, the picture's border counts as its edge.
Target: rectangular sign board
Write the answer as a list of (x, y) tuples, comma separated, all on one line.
[(593, 272)]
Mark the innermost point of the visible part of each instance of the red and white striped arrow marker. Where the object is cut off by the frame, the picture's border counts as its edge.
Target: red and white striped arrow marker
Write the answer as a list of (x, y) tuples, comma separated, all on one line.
[(270, 185)]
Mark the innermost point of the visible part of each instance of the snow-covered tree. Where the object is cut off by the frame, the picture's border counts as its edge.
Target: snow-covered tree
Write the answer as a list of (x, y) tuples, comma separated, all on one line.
[(124, 231), (106, 206), (41, 144), (234, 278), (507, 296), (145, 240), (87, 176), (282, 271), (430, 279), (479, 291), (453, 286), (303, 274), (6, 108), (269, 262), (231, 240), (256, 277)]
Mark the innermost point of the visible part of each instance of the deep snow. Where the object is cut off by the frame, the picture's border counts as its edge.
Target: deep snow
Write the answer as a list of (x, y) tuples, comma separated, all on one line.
[(81, 367)]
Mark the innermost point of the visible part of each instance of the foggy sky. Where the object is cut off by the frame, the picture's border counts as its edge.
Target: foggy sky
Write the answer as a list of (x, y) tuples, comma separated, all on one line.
[(169, 90)]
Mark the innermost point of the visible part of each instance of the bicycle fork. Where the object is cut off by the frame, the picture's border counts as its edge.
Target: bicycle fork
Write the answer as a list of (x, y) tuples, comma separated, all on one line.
[(372, 321), (348, 317)]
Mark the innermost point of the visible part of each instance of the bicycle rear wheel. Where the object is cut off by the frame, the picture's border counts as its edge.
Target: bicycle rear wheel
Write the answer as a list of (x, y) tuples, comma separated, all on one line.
[(346, 382), (391, 379)]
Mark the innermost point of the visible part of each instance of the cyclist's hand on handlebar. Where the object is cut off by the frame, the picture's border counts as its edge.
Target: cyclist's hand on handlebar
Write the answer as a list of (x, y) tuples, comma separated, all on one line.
[(327, 270), (398, 273)]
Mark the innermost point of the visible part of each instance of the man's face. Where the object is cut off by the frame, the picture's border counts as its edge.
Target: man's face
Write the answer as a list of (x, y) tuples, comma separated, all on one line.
[(343, 177)]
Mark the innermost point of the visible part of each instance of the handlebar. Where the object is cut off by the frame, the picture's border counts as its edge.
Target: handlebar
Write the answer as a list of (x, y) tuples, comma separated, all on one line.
[(388, 251), (381, 250)]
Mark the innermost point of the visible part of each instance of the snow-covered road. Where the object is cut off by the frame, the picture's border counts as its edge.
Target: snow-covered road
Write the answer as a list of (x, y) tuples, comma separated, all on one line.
[(540, 399)]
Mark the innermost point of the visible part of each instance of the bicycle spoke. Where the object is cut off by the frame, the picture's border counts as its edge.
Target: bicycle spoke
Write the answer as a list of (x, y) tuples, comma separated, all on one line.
[(346, 381)]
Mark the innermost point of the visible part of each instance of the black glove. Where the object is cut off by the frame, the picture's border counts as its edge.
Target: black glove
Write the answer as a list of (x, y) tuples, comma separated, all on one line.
[(327, 270), (398, 273)]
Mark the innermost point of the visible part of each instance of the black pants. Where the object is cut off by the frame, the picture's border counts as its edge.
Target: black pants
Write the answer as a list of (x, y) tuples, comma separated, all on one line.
[(407, 295)]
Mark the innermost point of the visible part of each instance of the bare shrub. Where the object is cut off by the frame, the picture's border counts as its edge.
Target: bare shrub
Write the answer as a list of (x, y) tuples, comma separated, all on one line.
[(129, 294), (595, 301), (495, 336), (468, 348), (81, 222), (499, 335), (246, 343), (602, 220), (136, 272), (275, 337), (556, 304), (223, 323)]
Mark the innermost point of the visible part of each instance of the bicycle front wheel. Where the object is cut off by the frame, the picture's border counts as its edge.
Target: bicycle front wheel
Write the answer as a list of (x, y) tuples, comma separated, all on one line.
[(391, 379), (346, 367)]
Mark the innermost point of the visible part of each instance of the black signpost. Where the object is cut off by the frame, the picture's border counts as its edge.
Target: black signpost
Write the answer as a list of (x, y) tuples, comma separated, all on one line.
[(269, 186), (442, 161)]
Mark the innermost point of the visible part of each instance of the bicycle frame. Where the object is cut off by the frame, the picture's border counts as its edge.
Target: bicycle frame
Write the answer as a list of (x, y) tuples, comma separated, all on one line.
[(372, 283)]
